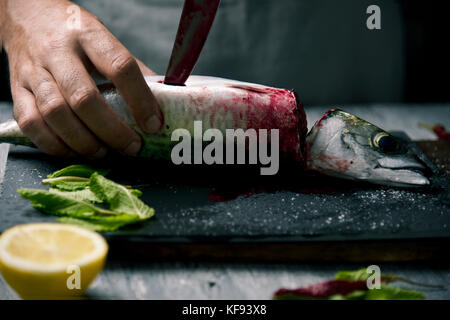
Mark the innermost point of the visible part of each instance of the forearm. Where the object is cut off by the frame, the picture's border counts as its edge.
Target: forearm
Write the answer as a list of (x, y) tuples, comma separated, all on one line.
[(3, 6)]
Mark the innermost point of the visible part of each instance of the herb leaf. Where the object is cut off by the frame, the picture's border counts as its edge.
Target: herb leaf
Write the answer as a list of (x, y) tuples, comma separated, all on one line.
[(351, 285), (77, 170), (119, 198), (392, 293), (67, 183), (60, 204), (357, 275), (102, 224), (78, 195), (347, 290), (83, 195)]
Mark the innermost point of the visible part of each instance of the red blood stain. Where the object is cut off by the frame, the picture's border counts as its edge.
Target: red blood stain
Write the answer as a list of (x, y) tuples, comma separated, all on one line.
[(324, 116), (270, 108), (440, 132), (338, 164)]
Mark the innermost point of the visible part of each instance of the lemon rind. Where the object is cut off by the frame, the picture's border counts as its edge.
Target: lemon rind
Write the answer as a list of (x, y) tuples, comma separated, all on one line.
[(23, 265)]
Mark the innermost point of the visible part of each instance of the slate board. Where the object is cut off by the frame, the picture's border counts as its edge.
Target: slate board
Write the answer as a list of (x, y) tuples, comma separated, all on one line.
[(289, 217)]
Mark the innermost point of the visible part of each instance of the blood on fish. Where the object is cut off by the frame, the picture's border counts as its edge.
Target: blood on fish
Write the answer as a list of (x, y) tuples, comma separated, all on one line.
[(282, 111), (257, 108), (324, 116), (339, 164), (441, 133)]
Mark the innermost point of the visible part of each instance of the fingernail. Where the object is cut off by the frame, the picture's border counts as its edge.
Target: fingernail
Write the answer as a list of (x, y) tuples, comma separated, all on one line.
[(133, 148), (153, 124), (101, 153)]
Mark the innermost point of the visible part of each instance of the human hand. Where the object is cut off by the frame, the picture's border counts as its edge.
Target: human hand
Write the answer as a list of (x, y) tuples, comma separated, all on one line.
[(56, 102)]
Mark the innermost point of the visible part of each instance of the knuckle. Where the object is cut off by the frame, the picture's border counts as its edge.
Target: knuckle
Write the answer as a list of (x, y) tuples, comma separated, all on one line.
[(82, 97), (28, 123), (51, 44), (123, 64), (70, 80), (24, 69), (55, 44), (51, 108), (92, 22), (91, 29), (19, 109), (44, 91)]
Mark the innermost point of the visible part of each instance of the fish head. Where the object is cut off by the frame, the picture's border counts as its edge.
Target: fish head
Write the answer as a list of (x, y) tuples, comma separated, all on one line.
[(345, 146)]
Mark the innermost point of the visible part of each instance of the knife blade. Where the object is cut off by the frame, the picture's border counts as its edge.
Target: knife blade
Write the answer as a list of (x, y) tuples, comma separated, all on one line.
[(195, 22)]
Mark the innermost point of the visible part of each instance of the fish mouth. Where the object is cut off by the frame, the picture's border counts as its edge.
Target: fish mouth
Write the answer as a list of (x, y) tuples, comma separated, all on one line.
[(403, 172)]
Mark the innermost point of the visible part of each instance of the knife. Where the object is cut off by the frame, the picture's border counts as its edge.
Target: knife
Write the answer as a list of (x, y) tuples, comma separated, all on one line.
[(195, 22)]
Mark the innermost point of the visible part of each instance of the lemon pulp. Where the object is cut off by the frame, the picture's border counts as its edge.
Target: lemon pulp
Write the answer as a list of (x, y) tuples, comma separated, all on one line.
[(37, 260)]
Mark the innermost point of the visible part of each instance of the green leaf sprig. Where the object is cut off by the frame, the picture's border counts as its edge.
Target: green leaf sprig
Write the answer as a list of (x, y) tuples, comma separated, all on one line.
[(81, 195), (351, 285)]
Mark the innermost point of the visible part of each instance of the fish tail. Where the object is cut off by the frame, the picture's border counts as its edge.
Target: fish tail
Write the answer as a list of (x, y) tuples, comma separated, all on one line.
[(11, 133)]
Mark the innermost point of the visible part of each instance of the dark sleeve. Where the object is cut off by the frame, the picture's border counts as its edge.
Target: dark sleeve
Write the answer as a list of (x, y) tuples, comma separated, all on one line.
[(427, 59), (5, 91)]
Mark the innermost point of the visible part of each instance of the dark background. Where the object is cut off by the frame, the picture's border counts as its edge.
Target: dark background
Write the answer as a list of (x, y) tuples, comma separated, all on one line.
[(425, 58), (428, 53)]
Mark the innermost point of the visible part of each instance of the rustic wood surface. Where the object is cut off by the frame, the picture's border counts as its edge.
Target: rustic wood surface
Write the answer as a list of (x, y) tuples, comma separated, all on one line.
[(129, 280)]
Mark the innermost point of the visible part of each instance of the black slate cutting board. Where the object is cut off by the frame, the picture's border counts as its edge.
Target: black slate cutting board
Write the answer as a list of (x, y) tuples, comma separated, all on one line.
[(291, 209)]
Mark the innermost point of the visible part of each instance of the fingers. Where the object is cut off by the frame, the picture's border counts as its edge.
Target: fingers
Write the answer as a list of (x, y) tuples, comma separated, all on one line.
[(83, 97), (33, 125), (114, 61), (59, 117)]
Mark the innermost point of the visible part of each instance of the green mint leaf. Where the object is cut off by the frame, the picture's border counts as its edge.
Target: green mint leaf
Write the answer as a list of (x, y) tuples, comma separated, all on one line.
[(118, 197), (384, 293), (77, 170), (102, 224), (362, 275), (387, 293), (355, 295), (85, 224), (67, 183), (136, 192), (72, 199), (60, 204), (356, 275), (82, 195)]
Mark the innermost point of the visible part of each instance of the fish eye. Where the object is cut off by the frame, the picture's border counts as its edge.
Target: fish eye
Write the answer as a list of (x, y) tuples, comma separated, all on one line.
[(385, 142)]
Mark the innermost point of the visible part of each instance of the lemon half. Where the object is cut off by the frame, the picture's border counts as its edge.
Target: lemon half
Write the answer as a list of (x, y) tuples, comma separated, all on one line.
[(51, 261)]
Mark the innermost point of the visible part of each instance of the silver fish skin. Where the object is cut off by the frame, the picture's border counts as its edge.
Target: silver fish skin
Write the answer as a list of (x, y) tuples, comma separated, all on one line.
[(345, 146), (339, 144), (219, 103)]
